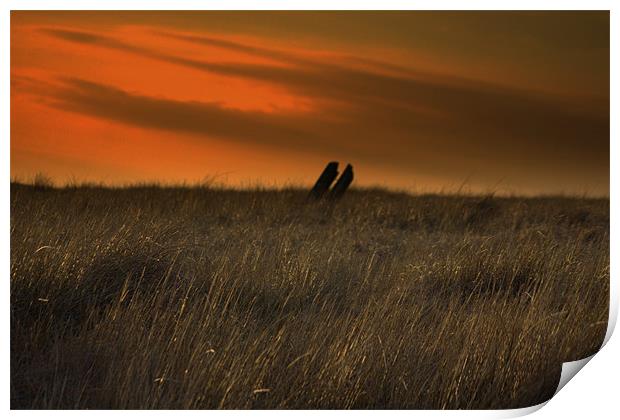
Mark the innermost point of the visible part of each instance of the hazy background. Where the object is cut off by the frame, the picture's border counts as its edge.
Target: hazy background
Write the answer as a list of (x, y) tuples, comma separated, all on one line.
[(503, 101)]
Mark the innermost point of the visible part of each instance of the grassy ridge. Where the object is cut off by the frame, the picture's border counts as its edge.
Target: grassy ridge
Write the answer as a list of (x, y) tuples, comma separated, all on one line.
[(203, 298)]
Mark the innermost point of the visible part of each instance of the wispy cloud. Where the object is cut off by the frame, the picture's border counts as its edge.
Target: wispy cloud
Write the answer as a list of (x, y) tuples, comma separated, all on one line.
[(401, 110)]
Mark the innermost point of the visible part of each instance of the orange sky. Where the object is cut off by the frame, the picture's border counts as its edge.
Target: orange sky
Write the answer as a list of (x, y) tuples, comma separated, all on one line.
[(509, 102)]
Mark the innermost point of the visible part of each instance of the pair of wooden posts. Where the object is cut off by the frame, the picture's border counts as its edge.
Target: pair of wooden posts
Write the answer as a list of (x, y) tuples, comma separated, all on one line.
[(321, 187)]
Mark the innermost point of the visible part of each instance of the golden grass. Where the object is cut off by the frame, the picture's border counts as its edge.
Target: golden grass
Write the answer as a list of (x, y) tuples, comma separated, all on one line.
[(151, 297)]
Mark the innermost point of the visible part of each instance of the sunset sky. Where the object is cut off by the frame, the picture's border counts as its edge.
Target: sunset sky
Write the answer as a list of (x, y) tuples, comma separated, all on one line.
[(513, 102)]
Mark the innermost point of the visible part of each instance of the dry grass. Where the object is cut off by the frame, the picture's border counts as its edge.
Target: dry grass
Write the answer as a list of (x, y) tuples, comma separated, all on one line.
[(153, 297)]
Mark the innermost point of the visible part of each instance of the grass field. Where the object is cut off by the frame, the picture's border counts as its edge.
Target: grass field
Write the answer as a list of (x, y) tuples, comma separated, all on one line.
[(148, 297)]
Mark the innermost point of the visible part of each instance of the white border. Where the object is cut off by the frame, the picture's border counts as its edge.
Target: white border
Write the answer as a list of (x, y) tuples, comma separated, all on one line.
[(598, 385), (309, 5)]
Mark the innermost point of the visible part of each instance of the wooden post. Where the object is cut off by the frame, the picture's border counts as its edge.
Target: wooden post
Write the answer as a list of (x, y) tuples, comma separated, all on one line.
[(343, 183), (325, 180)]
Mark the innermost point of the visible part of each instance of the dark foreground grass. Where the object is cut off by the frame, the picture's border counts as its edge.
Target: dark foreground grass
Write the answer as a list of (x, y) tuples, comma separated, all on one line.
[(202, 298)]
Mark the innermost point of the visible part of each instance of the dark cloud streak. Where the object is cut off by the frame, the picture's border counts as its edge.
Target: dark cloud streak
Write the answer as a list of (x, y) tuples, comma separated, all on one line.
[(210, 119)]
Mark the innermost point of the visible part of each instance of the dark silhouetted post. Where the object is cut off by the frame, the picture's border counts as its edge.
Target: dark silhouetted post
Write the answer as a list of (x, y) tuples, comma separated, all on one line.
[(325, 180), (343, 183)]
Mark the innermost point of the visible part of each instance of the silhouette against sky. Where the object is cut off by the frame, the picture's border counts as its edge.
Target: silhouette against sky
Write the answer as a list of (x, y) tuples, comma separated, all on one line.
[(514, 102)]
